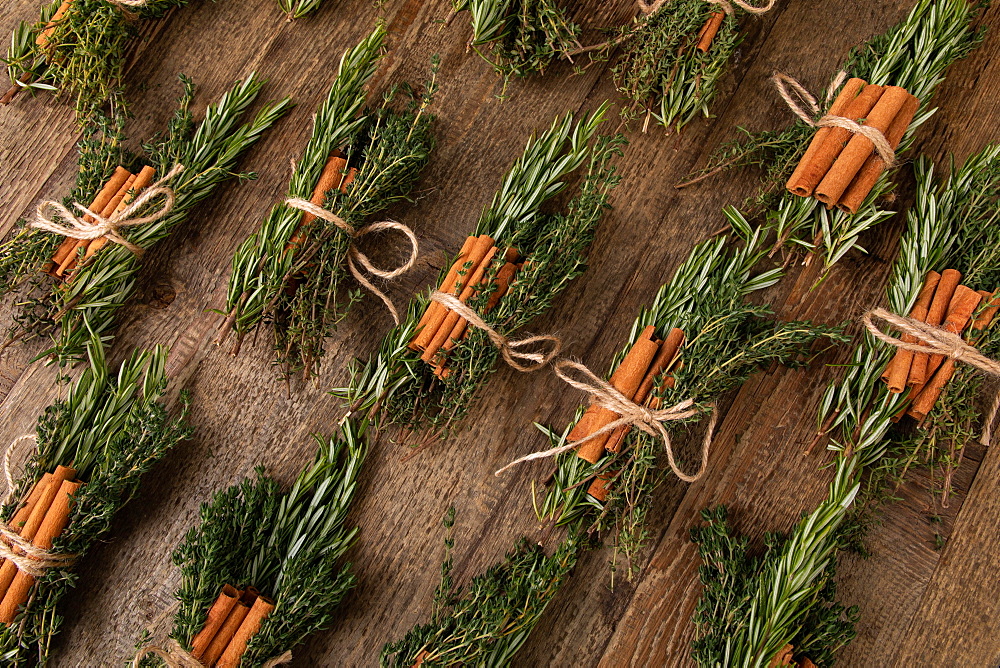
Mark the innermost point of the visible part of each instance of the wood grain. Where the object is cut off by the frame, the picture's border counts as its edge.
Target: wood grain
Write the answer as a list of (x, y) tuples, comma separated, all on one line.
[(913, 597)]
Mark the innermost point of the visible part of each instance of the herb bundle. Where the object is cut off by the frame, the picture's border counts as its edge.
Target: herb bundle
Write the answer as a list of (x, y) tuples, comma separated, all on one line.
[(783, 601), (419, 387), (70, 307), (912, 55), (109, 430), (728, 339), (357, 163), (524, 36), (78, 49), (276, 557)]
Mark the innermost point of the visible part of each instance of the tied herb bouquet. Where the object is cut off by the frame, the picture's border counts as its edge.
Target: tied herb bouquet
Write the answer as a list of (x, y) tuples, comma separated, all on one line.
[(780, 606), (696, 341), (92, 450), (76, 272), (357, 163)]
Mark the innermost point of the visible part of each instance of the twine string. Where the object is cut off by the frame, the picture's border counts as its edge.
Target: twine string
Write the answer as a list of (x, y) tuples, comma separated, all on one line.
[(356, 257), (652, 421), (175, 656), (79, 228), (787, 85), (514, 351), (648, 8)]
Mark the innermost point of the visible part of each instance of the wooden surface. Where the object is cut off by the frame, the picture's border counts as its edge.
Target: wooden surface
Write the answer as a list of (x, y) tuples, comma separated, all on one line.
[(920, 606)]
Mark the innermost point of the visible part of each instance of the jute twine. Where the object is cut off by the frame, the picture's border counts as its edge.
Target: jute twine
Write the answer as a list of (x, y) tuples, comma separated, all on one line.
[(30, 559), (78, 228), (787, 85), (725, 5), (632, 414), (511, 350), (175, 656), (355, 256), (939, 342)]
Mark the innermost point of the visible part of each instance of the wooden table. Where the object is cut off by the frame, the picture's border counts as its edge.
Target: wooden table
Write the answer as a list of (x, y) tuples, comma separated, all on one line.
[(921, 605)]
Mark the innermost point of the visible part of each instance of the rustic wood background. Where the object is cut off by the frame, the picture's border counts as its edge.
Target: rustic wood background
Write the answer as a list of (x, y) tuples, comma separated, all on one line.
[(921, 605)]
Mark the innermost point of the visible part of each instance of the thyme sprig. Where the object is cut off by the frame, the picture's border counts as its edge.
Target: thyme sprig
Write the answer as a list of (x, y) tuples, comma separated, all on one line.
[(287, 544), (298, 286), (913, 54), (395, 385), (84, 56), (112, 429), (87, 303)]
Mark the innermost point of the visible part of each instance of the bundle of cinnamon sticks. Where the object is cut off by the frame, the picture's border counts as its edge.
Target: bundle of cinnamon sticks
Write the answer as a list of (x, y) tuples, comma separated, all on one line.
[(786, 657), (335, 176), (117, 193), (440, 329), (40, 519), (708, 31), (944, 303), (840, 168), (232, 621), (646, 360)]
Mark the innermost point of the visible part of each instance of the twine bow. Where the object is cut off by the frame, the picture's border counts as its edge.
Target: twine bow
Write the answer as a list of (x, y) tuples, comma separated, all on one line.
[(648, 8), (511, 350), (28, 558), (80, 228), (938, 341), (176, 656), (632, 414), (787, 85), (354, 255)]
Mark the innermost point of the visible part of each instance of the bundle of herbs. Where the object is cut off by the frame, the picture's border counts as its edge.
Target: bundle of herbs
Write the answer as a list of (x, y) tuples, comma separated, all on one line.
[(912, 55), (729, 339), (274, 555), (81, 295), (100, 440), (781, 602), (429, 368), (523, 36), (78, 49), (358, 162)]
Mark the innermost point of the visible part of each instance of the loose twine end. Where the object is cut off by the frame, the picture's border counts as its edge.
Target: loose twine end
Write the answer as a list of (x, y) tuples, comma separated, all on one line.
[(355, 256), (940, 342), (632, 414), (512, 350), (80, 228), (787, 86)]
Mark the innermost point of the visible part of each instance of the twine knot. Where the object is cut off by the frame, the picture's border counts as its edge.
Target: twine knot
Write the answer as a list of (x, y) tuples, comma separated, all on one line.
[(652, 421), (648, 8), (81, 228), (787, 85), (175, 656), (511, 350), (355, 256)]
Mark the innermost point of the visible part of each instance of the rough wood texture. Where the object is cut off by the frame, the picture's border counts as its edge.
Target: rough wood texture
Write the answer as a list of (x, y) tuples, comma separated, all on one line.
[(913, 598)]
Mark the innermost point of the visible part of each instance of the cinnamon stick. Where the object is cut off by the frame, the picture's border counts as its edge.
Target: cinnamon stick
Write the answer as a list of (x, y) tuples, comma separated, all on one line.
[(229, 627), (963, 305), (454, 283), (329, 178), (49, 484), (446, 285), (55, 521), (118, 178), (947, 283), (626, 379), (22, 513), (784, 657), (136, 185), (990, 307), (806, 663), (262, 607), (504, 278), (898, 370), (819, 156), (348, 179), (708, 31), (451, 325), (860, 147), (217, 615), (870, 172), (43, 38)]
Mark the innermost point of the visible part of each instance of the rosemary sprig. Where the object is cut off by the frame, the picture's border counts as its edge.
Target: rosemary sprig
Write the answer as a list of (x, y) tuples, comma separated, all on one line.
[(394, 383), (111, 428), (296, 9), (84, 56), (287, 544), (298, 285), (88, 301), (913, 54)]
